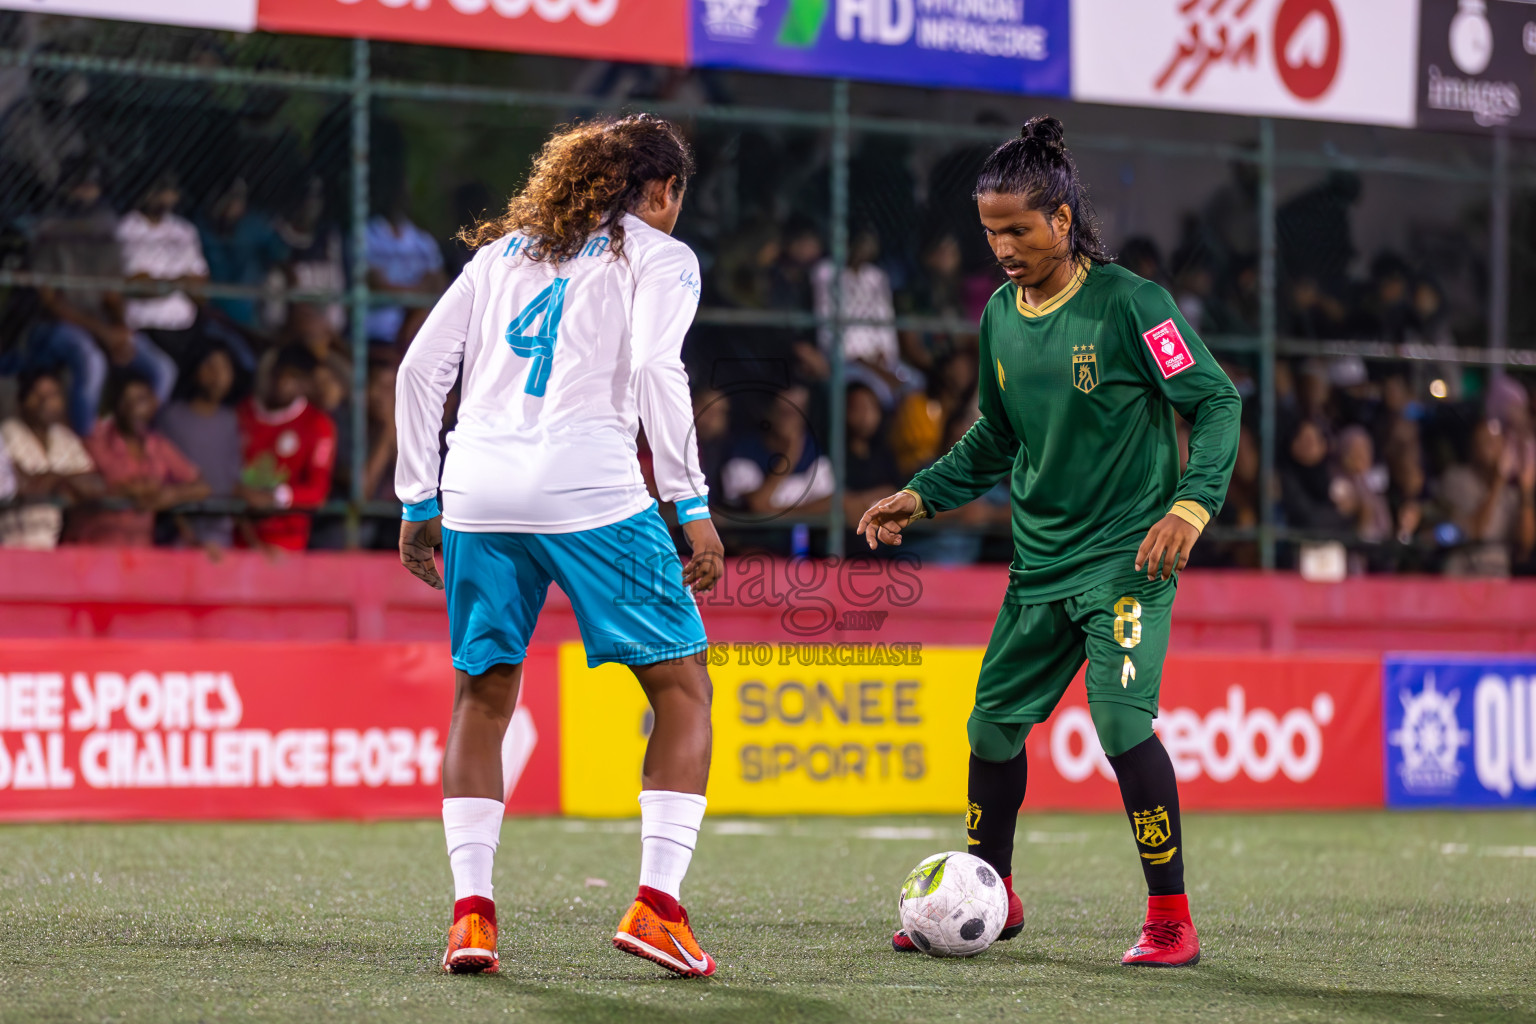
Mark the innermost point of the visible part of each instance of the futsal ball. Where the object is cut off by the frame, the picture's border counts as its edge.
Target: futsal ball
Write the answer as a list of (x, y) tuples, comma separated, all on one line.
[(953, 904)]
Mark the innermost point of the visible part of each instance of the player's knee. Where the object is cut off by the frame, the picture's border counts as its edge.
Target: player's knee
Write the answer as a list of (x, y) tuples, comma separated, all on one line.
[(1120, 726), (680, 692), (996, 741), (492, 692)]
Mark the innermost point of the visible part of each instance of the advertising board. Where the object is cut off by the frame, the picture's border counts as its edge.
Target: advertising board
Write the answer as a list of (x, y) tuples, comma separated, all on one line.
[(652, 31), (234, 15), (883, 733), (1460, 731), (1477, 64), (1017, 46), (1327, 60), (795, 735), (122, 730), (1244, 732)]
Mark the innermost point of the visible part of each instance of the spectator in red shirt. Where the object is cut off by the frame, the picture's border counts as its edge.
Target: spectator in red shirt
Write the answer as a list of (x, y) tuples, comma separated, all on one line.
[(290, 452), (139, 466)]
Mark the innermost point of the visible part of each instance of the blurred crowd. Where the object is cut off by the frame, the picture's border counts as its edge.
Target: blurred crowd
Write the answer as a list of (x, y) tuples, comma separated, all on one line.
[(148, 412), (180, 371), (133, 393)]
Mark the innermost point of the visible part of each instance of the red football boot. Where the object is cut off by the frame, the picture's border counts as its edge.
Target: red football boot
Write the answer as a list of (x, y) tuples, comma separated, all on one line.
[(901, 942), (1168, 936)]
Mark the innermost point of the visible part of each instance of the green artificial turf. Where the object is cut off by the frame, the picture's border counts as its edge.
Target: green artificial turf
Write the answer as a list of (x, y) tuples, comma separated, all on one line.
[(1365, 917)]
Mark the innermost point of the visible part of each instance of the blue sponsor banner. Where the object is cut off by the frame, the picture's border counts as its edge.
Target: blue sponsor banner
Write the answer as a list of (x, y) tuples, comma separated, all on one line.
[(1460, 731), (1018, 46)]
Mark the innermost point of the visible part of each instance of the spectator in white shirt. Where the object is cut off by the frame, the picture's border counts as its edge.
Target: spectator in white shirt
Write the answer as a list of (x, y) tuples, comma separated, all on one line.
[(82, 329), (866, 295), (401, 258), (158, 245), (51, 467)]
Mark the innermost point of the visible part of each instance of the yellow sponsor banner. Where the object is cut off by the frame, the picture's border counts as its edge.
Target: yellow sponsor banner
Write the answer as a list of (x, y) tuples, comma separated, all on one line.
[(799, 728)]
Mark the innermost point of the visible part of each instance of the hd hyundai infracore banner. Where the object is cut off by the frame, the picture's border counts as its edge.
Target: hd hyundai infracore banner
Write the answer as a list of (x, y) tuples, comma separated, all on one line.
[(1016, 46)]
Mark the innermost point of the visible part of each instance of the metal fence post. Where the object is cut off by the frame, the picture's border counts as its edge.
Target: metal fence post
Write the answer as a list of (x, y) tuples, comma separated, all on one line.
[(361, 107), (838, 406), (1268, 331), (1498, 245)]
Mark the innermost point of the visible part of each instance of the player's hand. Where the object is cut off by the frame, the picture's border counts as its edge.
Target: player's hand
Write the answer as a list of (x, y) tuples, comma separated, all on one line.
[(1167, 547), (418, 541), (886, 519), (707, 565)]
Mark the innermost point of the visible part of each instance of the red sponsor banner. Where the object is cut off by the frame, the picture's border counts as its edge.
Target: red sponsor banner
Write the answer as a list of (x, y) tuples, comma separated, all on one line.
[(110, 730), (651, 31), (1245, 732)]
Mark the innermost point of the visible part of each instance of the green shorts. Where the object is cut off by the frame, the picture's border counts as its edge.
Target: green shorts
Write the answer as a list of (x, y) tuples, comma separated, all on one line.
[(1120, 627)]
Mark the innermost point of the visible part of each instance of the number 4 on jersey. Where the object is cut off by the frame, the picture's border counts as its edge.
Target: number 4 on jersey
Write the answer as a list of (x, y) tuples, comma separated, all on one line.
[(540, 347)]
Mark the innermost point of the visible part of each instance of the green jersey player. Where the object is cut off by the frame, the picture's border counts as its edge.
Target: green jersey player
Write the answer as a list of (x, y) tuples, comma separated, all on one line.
[(1083, 369)]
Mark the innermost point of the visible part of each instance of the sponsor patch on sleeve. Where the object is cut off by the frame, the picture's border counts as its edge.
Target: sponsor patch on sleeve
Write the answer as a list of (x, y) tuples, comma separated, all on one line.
[(1169, 351)]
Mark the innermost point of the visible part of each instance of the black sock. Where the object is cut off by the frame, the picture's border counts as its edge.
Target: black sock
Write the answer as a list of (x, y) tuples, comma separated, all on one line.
[(1151, 795), (996, 790)]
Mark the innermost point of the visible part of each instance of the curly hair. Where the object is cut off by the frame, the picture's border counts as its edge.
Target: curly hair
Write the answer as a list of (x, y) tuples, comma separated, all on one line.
[(584, 180)]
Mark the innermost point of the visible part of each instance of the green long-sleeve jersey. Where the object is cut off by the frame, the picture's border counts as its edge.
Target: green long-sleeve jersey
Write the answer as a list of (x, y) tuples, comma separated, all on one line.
[(1077, 403)]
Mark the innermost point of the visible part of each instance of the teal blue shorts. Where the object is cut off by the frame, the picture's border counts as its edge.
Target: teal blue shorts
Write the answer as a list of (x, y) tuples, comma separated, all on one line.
[(624, 580)]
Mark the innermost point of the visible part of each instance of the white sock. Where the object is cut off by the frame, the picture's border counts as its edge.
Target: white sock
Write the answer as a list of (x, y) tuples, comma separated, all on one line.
[(669, 829), (473, 827)]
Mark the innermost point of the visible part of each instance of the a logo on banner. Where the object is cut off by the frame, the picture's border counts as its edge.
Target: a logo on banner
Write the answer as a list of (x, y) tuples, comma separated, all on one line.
[(1337, 60), (1430, 738), (1305, 36), (1471, 41), (1460, 732), (1307, 46), (1471, 37), (733, 19)]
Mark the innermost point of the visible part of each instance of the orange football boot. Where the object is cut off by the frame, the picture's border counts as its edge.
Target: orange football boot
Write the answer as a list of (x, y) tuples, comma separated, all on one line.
[(656, 928), (472, 939)]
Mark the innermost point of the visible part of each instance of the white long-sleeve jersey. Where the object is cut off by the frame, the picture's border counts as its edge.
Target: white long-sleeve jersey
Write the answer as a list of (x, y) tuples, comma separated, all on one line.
[(561, 363)]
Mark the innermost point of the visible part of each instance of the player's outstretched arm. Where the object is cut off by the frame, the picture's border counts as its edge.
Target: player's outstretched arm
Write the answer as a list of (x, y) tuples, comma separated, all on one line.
[(887, 517), (419, 542), (707, 565)]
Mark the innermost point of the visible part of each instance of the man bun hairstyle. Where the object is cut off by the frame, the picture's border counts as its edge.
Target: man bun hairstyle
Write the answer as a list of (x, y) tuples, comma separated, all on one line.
[(1038, 167), (586, 177)]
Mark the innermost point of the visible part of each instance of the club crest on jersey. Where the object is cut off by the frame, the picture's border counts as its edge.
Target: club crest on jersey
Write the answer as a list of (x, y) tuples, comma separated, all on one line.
[(1085, 368), (1169, 351), (1151, 827)]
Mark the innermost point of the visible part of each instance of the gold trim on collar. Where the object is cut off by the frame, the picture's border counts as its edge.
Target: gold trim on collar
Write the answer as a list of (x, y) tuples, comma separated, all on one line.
[(1056, 301)]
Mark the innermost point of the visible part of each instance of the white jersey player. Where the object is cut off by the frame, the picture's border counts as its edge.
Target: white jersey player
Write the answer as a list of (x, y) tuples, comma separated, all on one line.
[(565, 331)]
